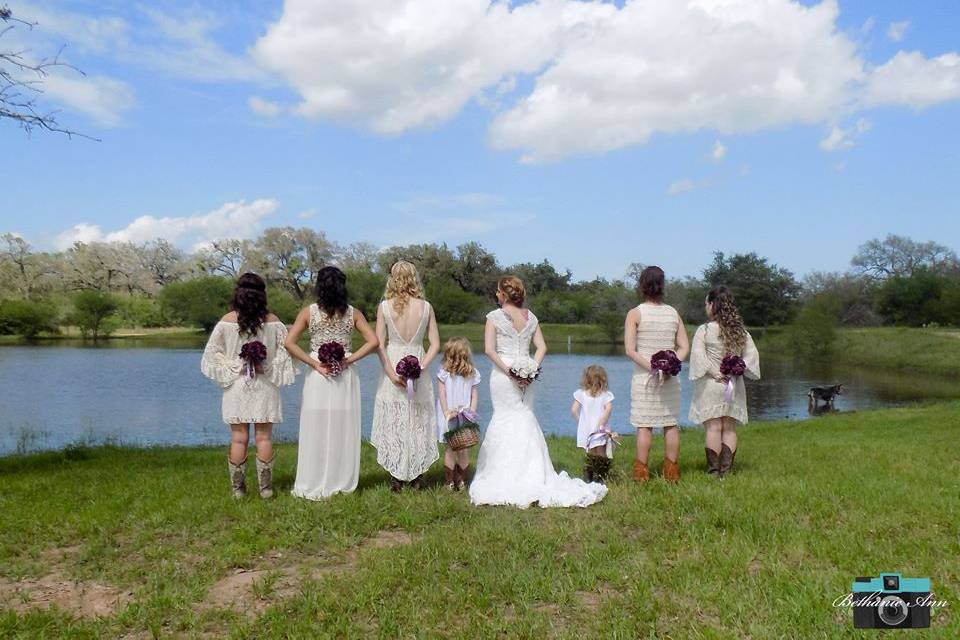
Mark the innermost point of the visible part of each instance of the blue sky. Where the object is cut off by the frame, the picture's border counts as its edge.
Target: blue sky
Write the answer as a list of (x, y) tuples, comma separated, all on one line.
[(572, 131)]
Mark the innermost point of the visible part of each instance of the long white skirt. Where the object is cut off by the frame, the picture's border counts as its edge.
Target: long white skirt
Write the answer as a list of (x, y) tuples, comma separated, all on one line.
[(514, 466), (328, 453)]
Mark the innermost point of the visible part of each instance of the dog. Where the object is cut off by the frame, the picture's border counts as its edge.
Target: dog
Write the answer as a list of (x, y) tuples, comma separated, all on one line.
[(826, 394)]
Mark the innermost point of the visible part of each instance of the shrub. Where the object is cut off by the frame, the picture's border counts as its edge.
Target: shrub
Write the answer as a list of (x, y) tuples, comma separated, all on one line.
[(813, 332), (200, 302), (451, 304), (93, 313), (27, 318), (140, 311)]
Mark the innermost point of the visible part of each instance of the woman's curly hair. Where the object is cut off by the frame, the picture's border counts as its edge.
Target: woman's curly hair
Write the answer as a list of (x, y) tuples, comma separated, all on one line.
[(403, 285), (332, 291), (724, 313), (250, 303)]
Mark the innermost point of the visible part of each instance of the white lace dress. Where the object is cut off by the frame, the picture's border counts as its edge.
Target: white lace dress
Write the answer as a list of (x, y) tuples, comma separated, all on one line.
[(513, 466), (709, 399), (655, 402), (328, 450), (248, 400), (404, 431)]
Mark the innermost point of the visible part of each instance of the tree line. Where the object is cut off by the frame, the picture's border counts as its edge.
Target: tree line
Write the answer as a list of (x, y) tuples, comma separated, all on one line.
[(99, 286)]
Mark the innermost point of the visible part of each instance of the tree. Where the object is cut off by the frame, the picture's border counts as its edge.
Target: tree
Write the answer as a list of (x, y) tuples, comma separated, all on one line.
[(452, 304), (917, 299), (687, 296), (431, 260), (162, 261), (26, 273), (541, 277), (21, 82), (292, 257), (104, 266), (359, 256), (93, 313), (27, 318), (365, 289), (851, 294), (200, 302), (476, 269), (765, 293), (228, 258), (900, 256)]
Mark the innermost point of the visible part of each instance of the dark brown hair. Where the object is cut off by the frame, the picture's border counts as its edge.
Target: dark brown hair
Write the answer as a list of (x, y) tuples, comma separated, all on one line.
[(332, 291), (724, 312), (250, 303), (512, 287), (650, 284)]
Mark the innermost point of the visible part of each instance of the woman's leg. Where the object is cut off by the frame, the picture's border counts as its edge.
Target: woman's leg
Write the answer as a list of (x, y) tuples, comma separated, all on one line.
[(713, 430), (644, 438), (729, 435), (239, 437), (671, 453), (263, 436)]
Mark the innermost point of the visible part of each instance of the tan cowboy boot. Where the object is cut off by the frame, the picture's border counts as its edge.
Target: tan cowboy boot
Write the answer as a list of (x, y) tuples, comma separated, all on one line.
[(726, 460), (265, 477), (671, 470), (713, 462), (238, 478), (640, 471)]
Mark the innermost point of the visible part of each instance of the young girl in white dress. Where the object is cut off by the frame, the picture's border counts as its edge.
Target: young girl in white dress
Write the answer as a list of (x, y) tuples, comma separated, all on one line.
[(458, 382), (723, 335), (404, 432), (328, 449), (251, 389), (650, 327), (592, 404)]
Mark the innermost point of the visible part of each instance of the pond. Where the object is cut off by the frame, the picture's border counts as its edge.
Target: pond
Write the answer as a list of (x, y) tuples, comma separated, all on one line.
[(138, 393)]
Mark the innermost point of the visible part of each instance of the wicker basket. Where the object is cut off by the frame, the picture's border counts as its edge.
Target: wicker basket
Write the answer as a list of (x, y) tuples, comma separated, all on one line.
[(463, 439)]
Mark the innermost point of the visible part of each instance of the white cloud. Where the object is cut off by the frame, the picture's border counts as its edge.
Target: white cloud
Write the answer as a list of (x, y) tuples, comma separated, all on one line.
[(719, 152), (913, 80), (681, 186), (233, 220), (897, 30), (839, 138), (868, 25), (264, 107), (101, 98)]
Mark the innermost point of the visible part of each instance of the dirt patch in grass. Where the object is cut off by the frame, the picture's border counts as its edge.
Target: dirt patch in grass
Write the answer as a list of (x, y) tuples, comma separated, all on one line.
[(253, 591), (85, 599)]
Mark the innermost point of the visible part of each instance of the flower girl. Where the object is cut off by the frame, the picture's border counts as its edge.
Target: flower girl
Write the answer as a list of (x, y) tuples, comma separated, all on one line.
[(246, 357), (457, 394), (592, 404)]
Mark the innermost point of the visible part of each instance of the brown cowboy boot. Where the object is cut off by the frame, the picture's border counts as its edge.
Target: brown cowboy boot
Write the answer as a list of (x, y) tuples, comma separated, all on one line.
[(238, 478), (588, 468), (640, 471), (265, 478), (601, 468), (671, 470), (450, 478), (396, 485), (726, 460), (461, 473), (713, 462)]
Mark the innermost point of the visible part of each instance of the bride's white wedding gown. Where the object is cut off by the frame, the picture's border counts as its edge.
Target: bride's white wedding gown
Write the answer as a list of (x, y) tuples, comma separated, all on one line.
[(513, 466)]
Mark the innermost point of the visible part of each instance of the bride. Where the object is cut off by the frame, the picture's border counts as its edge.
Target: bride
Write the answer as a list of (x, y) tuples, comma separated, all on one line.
[(513, 466)]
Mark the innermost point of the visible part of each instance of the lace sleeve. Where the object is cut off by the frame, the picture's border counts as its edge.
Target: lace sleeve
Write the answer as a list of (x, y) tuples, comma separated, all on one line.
[(216, 363), (281, 371), (699, 362), (751, 357)]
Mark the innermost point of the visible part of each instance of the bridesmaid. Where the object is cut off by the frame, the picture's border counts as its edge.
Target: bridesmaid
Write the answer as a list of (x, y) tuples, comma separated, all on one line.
[(328, 452), (249, 397), (404, 427), (724, 334), (651, 327)]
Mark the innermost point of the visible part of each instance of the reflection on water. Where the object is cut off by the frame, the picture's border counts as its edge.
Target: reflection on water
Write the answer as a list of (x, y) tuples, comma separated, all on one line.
[(136, 392)]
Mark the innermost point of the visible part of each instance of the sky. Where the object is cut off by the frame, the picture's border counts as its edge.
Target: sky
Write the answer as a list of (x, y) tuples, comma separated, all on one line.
[(594, 134)]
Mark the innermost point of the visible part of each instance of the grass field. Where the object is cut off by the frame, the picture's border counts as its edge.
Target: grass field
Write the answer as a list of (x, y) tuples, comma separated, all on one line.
[(149, 541)]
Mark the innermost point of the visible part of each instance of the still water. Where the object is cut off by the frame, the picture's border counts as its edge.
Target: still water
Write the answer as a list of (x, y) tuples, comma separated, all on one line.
[(137, 394)]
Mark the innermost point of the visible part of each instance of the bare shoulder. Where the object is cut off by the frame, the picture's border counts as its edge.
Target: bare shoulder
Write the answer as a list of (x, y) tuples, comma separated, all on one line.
[(229, 317), (272, 318)]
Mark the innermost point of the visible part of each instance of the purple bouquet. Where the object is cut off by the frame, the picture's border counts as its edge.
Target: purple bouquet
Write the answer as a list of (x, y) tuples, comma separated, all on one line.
[(332, 355), (665, 363), (732, 366), (409, 370), (253, 354)]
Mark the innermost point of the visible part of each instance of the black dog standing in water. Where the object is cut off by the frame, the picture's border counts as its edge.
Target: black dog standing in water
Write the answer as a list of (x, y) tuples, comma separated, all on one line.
[(826, 394)]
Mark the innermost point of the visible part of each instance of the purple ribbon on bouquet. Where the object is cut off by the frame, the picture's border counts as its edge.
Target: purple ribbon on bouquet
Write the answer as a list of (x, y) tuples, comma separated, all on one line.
[(731, 366), (603, 437), (409, 369), (467, 415)]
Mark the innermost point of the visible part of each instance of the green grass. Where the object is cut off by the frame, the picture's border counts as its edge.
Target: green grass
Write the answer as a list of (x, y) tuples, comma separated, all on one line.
[(761, 554)]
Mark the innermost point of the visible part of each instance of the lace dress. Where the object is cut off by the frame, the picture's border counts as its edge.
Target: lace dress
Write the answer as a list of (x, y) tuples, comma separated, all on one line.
[(513, 466), (404, 431), (655, 402), (709, 399), (328, 450), (248, 400)]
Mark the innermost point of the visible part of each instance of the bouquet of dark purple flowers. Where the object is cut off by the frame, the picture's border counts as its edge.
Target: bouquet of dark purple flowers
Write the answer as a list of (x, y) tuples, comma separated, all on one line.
[(731, 366), (332, 355), (665, 363), (253, 354), (409, 370)]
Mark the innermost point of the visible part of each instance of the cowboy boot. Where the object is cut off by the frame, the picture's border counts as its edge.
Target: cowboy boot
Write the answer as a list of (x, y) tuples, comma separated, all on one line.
[(238, 477), (588, 468), (265, 477), (462, 477), (396, 485), (450, 478), (417, 483), (726, 460), (671, 470), (640, 471), (713, 462), (601, 468)]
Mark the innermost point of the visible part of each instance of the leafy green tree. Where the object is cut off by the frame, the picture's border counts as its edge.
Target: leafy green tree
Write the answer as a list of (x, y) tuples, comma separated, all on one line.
[(765, 293), (917, 299), (452, 304), (541, 277), (365, 289), (140, 311), (813, 333), (282, 303), (93, 313), (200, 302), (27, 318)]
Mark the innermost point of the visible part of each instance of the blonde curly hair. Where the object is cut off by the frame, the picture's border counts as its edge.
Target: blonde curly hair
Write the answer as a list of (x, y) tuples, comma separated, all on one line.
[(724, 313), (458, 357), (403, 285), (594, 380)]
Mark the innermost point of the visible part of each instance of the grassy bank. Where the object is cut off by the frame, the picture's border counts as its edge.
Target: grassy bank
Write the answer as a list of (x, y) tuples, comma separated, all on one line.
[(151, 541)]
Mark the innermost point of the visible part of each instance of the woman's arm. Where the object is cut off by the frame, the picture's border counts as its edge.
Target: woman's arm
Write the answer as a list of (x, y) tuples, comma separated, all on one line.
[(630, 326), (683, 342), (541, 345), (370, 340), (490, 346), (433, 340), (290, 344), (389, 369)]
